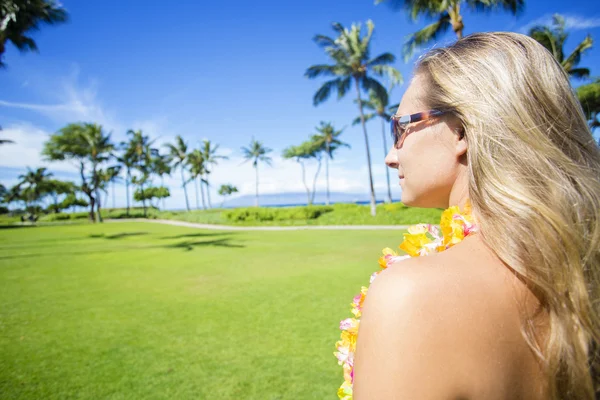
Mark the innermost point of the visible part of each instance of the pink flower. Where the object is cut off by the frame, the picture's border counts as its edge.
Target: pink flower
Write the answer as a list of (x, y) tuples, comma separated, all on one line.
[(346, 324)]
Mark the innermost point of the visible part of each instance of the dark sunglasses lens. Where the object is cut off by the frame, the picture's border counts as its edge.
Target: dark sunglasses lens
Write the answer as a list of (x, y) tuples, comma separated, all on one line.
[(394, 131)]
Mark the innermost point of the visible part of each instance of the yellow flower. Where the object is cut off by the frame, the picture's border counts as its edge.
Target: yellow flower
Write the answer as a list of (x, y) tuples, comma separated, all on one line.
[(345, 391), (413, 243), (387, 253)]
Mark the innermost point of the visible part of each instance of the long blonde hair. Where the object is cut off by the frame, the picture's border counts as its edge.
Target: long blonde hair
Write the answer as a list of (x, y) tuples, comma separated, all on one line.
[(534, 172)]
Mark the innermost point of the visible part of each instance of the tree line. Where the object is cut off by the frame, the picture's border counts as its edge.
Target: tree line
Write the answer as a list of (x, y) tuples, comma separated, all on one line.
[(350, 66)]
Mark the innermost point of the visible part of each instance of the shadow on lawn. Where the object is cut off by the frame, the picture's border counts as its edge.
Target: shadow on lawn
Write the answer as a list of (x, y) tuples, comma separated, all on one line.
[(195, 235), (16, 226), (120, 235), (190, 244)]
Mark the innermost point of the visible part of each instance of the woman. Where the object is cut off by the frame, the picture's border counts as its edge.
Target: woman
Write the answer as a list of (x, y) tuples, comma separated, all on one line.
[(509, 310)]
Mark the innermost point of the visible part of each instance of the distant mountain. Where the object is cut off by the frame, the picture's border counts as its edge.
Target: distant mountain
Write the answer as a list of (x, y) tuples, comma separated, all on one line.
[(296, 199)]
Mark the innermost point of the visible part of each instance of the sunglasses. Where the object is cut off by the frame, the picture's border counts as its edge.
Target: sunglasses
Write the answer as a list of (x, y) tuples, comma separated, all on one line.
[(399, 123)]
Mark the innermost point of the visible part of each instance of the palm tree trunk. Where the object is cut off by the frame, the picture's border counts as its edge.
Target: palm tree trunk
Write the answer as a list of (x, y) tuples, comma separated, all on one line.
[(113, 194), (208, 192), (196, 190), (143, 199), (162, 183), (327, 169), (256, 169), (456, 20), (362, 121), (387, 170), (98, 205), (315, 183), (187, 203), (304, 182), (202, 192), (127, 180)]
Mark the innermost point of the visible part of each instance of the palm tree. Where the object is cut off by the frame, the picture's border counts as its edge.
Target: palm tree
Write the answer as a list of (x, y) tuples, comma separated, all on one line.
[(18, 17), (109, 177), (299, 154), (352, 64), (178, 157), (140, 146), (226, 190), (379, 107), (161, 167), (553, 38), (197, 166), (327, 139), (256, 152), (89, 147), (447, 14), (100, 150), (210, 157), (589, 96), (127, 161), (33, 184)]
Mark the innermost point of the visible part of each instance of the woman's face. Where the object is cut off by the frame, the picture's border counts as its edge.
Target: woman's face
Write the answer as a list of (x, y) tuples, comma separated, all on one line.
[(429, 160)]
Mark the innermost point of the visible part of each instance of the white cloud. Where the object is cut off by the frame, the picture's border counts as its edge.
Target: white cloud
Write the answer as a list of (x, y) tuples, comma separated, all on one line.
[(72, 102), (572, 22), (27, 148)]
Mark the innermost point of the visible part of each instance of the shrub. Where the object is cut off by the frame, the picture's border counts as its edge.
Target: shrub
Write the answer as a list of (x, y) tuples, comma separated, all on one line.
[(257, 214)]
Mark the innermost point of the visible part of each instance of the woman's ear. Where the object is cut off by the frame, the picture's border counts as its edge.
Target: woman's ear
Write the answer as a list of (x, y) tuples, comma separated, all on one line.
[(461, 141)]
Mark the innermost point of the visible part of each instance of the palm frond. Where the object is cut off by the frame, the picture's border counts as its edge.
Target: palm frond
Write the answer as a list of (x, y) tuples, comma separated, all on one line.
[(382, 59), (368, 117), (575, 57), (393, 75), (370, 84), (323, 41), (425, 35), (580, 73), (315, 71), (325, 91)]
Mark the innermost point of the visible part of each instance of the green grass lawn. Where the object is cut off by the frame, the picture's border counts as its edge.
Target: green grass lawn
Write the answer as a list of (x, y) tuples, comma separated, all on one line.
[(146, 311)]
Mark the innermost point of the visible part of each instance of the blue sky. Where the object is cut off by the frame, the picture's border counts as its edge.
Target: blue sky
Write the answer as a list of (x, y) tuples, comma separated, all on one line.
[(224, 71)]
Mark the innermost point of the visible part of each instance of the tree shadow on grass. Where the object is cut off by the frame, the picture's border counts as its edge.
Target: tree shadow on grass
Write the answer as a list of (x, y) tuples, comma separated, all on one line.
[(120, 235), (190, 244), (199, 234), (16, 226)]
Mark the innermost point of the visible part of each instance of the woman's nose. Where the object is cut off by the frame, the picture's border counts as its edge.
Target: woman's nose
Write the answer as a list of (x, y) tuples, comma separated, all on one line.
[(391, 160)]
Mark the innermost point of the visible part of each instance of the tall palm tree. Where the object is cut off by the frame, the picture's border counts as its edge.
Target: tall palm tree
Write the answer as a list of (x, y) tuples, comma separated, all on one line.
[(140, 146), (327, 139), (110, 176), (197, 167), (300, 155), (553, 38), (161, 167), (127, 162), (447, 14), (32, 184), (18, 17), (209, 152), (256, 152), (178, 157), (352, 64), (379, 107), (100, 150)]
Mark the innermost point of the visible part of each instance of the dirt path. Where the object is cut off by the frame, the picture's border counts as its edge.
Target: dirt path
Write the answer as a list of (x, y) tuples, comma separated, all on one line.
[(262, 228)]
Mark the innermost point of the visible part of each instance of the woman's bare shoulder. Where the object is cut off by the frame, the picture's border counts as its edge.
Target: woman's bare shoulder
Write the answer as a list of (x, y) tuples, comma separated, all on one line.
[(454, 317)]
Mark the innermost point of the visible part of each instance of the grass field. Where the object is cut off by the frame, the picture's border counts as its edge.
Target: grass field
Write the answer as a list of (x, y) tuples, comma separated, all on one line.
[(146, 311)]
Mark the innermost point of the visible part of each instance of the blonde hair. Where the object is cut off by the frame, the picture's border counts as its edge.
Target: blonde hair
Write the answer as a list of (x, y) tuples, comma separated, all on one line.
[(534, 171)]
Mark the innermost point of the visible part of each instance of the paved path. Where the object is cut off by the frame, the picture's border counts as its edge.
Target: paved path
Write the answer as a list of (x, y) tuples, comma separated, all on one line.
[(262, 228)]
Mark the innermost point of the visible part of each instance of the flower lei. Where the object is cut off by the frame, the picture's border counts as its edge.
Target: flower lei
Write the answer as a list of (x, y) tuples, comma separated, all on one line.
[(421, 240)]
